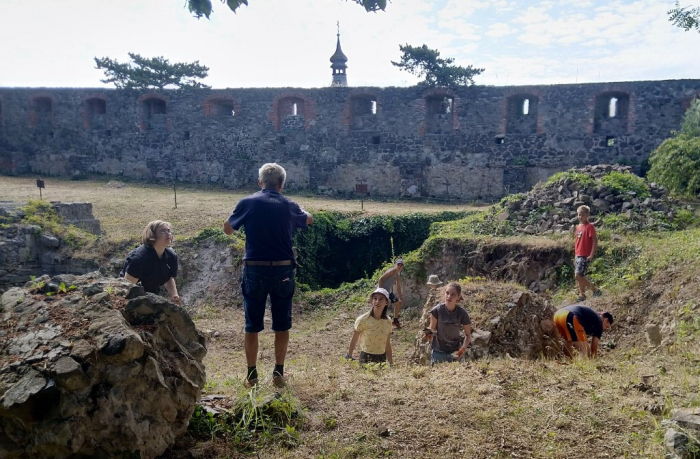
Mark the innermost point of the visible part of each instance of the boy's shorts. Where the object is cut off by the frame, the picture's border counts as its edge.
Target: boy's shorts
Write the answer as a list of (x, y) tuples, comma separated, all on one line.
[(580, 266), (569, 327), (393, 298)]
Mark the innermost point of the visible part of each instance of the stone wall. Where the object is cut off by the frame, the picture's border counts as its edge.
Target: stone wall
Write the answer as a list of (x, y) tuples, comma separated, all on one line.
[(25, 251), (470, 143)]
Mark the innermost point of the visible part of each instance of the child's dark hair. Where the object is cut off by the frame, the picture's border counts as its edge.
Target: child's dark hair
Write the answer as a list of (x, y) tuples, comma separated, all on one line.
[(607, 315), (371, 308), (456, 287)]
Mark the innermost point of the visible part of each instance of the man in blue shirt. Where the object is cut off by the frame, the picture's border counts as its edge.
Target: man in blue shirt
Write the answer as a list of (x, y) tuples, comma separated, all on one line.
[(269, 220)]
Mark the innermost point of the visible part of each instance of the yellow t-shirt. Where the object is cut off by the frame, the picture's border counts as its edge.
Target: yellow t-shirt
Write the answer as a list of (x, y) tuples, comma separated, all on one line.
[(374, 333)]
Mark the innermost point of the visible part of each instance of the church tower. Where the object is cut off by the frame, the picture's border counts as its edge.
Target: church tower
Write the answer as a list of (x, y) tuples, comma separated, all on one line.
[(338, 65)]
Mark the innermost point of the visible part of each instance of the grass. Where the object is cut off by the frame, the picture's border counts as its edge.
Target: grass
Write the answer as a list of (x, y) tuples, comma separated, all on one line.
[(491, 408), (124, 212), (41, 213), (515, 408)]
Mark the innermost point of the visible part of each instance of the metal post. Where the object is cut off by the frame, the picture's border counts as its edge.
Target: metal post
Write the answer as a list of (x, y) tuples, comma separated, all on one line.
[(175, 189)]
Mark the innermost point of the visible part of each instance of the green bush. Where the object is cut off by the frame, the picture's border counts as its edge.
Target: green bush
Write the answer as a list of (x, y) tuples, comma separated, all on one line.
[(577, 177), (676, 163), (257, 417), (622, 182), (478, 223), (340, 247)]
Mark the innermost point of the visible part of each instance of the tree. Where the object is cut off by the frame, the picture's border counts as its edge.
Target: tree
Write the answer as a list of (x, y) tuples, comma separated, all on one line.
[(684, 17), (426, 63), (204, 7), (156, 72), (676, 163)]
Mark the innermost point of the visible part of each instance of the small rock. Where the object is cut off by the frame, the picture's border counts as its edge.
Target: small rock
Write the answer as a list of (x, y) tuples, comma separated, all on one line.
[(653, 334)]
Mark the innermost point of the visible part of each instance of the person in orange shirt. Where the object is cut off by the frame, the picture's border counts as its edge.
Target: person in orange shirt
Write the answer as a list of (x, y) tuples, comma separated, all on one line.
[(585, 247), (575, 323)]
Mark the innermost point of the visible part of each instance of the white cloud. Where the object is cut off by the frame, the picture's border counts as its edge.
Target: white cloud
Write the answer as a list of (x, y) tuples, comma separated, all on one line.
[(500, 30), (284, 43)]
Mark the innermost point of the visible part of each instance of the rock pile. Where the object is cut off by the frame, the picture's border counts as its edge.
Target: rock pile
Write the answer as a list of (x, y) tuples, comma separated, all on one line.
[(682, 436), (94, 367), (552, 207), (520, 327)]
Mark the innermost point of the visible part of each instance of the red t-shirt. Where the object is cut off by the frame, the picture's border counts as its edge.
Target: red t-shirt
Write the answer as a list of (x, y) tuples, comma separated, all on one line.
[(584, 239)]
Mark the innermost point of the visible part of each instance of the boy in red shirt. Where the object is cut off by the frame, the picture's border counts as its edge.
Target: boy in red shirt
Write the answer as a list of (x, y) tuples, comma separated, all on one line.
[(586, 244)]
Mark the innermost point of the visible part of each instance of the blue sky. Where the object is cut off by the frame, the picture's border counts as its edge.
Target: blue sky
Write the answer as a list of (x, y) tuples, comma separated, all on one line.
[(279, 43)]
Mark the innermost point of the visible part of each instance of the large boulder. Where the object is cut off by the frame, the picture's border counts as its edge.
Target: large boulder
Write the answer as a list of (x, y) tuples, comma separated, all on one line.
[(96, 368)]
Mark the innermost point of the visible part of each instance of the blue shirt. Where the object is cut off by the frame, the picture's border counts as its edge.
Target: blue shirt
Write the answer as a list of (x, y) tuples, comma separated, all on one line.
[(269, 220)]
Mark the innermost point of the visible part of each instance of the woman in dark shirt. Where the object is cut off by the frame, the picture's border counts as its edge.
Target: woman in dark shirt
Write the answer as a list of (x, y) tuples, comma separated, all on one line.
[(154, 264)]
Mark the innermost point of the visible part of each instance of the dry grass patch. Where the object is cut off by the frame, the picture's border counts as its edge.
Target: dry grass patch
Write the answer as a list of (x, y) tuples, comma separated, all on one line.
[(492, 408), (123, 212)]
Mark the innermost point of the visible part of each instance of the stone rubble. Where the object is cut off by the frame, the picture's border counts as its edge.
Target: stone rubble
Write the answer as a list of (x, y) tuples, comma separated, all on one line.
[(94, 368), (551, 208)]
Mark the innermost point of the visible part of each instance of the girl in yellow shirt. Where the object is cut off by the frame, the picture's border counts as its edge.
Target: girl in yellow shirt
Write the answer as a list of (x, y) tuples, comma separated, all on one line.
[(373, 330)]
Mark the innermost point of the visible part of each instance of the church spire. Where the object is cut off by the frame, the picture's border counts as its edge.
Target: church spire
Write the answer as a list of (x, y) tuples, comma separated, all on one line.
[(338, 65)]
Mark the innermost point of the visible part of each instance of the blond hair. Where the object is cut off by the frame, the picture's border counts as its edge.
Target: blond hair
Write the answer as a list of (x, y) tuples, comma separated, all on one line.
[(584, 209), (150, 232), (272, 175)]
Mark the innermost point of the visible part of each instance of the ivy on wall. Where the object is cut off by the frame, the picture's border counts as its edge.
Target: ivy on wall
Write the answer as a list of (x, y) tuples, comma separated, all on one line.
[(341, 248)]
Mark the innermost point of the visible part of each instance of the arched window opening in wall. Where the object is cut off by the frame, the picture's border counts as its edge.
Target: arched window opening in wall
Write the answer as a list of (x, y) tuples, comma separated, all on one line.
[(154, 113), (521, 114), (440, 114), (363, 112), (95, 110), (611, 113), (42, 113), (612, 108), (219, 108), (290, 113)]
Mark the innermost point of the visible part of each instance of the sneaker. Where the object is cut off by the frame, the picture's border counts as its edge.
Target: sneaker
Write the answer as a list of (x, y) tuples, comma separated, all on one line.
[(597, 293), (396, 323), (581, 298), (279, 381), (248, 383)]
